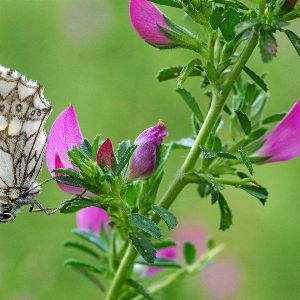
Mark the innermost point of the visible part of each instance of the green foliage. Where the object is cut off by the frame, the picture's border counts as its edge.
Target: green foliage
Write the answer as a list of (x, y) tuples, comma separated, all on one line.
[(168, 217), (226, 216), (191, 103), (258, 192), (189, 253), (82, 266), (274, 118), (257, 79), (172, 3), (81, 247), (139, 289), (246, 161), (244, 121), (90, 237), (295, 40), (143, 246), (268, 45), (145, 224)]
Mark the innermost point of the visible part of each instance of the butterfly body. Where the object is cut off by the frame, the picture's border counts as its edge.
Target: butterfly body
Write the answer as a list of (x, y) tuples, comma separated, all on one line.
[(23, 113)]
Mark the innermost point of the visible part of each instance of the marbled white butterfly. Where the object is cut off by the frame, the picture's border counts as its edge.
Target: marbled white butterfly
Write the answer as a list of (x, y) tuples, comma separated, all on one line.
[(23, 113)]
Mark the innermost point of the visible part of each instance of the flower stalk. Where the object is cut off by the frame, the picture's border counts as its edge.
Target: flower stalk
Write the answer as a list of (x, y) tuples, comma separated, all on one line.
[(218, 102)]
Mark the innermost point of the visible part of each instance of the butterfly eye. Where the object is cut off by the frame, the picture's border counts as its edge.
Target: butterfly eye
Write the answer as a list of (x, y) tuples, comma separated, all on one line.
[(32, 113), (2, 108), (39, 113)]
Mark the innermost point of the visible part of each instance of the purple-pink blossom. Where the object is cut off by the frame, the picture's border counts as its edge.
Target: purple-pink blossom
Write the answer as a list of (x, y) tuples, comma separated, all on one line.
[(91, 218), (64, 134), (145, 18), (168, 253), (283, 142), (290, 4), (142, 162)]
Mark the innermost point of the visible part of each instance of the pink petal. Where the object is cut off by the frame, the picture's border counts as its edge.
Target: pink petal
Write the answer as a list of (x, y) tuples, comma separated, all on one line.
[(105, 153), (144, 17), (91, 218), (168, 253), (283, 142), (64, 133), (221, 280)]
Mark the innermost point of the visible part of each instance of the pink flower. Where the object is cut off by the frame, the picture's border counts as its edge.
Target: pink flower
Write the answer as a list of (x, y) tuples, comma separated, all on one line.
[(64, 134), (221, 279), (283, 142), (168, 253), (91, 218), (142, 162), (145, 18)]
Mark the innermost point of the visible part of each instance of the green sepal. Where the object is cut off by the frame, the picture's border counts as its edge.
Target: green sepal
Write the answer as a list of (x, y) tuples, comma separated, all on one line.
[(274, 118)]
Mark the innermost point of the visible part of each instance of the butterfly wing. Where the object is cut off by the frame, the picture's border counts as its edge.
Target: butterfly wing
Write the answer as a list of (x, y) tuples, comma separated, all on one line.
[(23, 113)]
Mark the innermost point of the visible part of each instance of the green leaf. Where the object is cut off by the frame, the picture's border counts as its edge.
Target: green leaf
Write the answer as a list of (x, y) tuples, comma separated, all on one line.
[(274, 118), (172, 3), (216, 17), (189, 253), (95, 146), (212, 73), (81, 247), (139, 288), (90, 237), (160, 262), (164, 244), (174, 72), (86, 148), (168, 217), (244, 121), (226, 216), (232, 18), (185, 143), (246, 161), (256, 134), (295, 40), (232, 3), (145, 224), (257, 79), (76, 205), (246, 25), (79, 265), (186, 72), (125, 159), (122, 148), (268, 45), (257, 191), (143, 246), (208, 154), (65, 179), (226, 155), (133, 192), (258, 159), (191, 103)]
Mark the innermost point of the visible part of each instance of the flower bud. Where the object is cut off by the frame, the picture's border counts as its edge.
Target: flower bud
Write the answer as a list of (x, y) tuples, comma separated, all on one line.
[(290, 4), (105, 153), (142, 162), (145, 18), (91, 218)]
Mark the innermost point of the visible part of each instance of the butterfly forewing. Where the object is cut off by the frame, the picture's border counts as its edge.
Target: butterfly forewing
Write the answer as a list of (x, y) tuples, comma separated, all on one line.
[(23, 113)]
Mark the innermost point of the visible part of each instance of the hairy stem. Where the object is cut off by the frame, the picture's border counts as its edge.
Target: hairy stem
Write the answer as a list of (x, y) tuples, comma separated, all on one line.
[(218, 101)]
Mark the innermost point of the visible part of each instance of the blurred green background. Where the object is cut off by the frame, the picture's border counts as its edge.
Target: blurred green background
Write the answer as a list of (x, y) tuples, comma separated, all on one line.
[(86, 53)]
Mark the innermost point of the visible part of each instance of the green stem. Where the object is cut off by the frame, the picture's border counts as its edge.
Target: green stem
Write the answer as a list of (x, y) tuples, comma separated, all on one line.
[(178, 184)]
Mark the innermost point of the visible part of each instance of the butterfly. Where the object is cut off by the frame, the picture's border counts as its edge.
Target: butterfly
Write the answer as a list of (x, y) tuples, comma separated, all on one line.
[(23, 113)]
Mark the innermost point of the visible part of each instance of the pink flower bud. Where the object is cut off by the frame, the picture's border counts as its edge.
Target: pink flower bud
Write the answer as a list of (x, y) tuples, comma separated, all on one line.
[(145, 17), (283, 142), (91, 218), (290, 4), (142, 162), (105, 153)]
